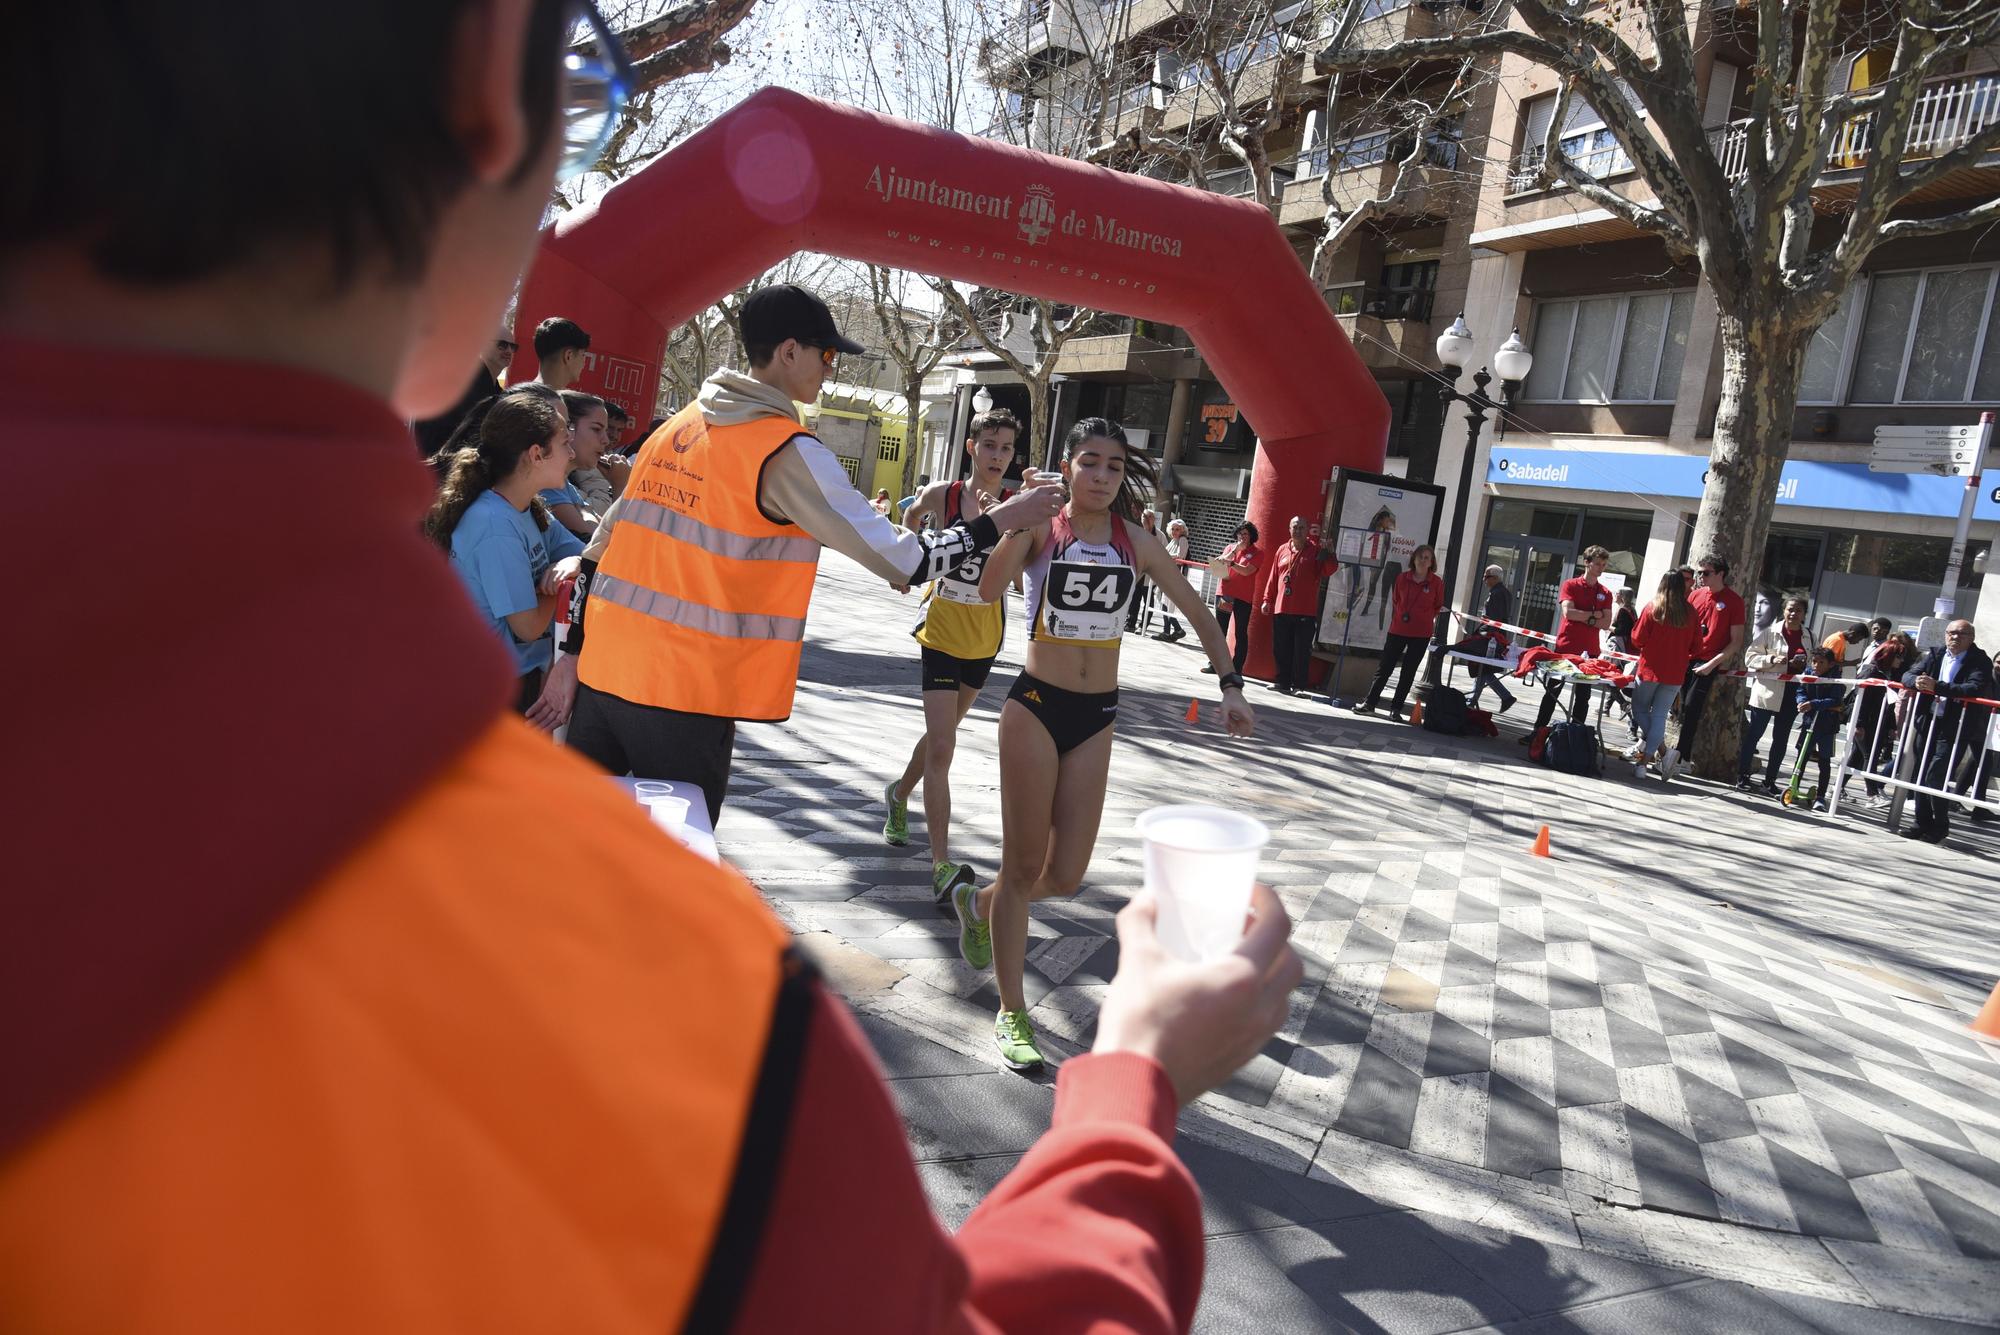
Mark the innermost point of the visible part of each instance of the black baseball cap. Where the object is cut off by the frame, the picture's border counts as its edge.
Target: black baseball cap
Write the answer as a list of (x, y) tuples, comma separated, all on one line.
[(785, 310)]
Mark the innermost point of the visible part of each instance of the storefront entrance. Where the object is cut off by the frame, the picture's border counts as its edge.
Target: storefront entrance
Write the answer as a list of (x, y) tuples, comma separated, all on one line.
[(1533, 569)]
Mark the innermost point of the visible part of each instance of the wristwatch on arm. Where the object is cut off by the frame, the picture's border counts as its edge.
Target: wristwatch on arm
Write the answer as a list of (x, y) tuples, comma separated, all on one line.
[(1230, 681)]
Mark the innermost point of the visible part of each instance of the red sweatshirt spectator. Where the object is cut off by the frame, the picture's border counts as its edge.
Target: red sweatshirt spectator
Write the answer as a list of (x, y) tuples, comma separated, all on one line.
[(1586, 611), (1238, 594), (1724, 629), (1664, 638), (404, 1052), (1292, 601), (1417, 598)]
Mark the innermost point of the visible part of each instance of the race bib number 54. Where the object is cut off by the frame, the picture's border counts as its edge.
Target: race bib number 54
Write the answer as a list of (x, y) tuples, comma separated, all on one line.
[(1087, 602)]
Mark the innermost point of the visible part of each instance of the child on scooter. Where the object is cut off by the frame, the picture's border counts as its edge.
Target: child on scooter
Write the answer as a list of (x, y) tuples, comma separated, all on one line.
[(1822, 704)]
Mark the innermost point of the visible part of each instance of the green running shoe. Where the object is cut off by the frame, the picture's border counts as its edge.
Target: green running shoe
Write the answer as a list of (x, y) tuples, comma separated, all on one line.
[(975, 935), (946, 877), (896, 829), (1015, 1037)]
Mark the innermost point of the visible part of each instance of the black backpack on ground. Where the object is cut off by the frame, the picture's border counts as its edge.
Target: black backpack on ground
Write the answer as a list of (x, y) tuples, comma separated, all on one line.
[(1572, 748), (1445, 711)]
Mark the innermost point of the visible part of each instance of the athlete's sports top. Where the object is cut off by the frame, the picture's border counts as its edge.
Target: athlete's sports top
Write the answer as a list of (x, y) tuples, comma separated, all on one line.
[(1079, 592), (956, 620)]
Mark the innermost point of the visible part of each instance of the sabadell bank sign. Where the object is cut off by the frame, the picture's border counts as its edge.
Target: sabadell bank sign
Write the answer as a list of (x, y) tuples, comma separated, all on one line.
[(1808, 482), (1045, 234)]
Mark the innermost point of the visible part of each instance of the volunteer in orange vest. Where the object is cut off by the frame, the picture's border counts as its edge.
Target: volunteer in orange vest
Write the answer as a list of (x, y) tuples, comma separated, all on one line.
[(690, 614), (368, 1009)]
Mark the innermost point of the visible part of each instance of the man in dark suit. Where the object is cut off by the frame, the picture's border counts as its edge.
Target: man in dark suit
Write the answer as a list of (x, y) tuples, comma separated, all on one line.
[(1946, 728)]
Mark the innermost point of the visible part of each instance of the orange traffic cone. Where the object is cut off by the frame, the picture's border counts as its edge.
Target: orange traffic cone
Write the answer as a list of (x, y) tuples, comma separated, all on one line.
[(1987, 1023), (1541, 849), (1417, 712), (1194, 711)]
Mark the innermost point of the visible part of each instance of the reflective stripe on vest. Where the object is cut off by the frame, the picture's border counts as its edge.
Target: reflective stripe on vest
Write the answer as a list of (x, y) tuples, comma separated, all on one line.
[(699, 604), (707, 620), (651, 514)]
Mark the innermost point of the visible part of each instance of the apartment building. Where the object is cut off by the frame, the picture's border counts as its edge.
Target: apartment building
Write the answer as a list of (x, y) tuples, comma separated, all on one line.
[(1081, 72), (1614, 426)]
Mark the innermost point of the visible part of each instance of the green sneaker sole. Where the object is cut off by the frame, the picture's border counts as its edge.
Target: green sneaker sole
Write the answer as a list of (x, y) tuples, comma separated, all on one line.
[(896, 826), (942, 894), (975, 938)]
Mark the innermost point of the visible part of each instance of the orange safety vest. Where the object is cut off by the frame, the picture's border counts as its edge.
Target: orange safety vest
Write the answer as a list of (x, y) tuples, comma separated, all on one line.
[(436, 1097), (699, 604)]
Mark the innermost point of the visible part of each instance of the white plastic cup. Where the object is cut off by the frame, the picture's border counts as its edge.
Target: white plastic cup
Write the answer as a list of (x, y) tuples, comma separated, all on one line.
[(668, 811), (648, 789), (1201, 862)]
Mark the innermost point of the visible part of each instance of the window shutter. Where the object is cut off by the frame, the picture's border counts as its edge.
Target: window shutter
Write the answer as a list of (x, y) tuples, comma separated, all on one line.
[(1539, 113)]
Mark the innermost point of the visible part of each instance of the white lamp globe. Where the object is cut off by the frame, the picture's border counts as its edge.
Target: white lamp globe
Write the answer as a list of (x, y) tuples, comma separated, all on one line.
[(1513, 361), (982, 401), (1454, 345)]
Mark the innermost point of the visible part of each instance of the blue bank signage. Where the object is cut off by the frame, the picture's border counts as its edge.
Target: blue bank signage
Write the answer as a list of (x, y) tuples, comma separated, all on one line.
[(1823, 486)]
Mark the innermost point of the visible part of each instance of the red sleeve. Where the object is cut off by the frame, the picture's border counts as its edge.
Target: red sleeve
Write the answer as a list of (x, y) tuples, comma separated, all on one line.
[(1098, 1227)]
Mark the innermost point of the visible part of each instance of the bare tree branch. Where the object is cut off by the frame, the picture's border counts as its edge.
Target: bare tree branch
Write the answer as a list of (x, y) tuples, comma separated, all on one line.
[(1902, 229)]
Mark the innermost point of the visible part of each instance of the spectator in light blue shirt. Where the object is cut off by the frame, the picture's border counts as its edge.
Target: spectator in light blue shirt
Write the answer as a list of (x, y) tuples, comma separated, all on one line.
[(511, 555)]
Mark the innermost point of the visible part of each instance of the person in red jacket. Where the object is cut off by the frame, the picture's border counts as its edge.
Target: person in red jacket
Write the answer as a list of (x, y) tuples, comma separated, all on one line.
[(1241, 560), (1664, 638), (378, 1012), (1415, 601), (1586, 611), (1291, 600)]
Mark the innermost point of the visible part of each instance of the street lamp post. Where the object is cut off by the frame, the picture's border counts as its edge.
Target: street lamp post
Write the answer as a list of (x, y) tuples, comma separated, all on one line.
[(1513, 361)]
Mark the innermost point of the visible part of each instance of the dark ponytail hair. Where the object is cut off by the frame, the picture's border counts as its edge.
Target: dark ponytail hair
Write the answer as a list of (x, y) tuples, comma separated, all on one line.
[(1141, 479), (507, 428), (577, 404)]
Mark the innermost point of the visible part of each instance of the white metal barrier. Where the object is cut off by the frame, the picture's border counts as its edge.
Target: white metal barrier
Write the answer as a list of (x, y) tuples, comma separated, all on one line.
[(1975, 735)]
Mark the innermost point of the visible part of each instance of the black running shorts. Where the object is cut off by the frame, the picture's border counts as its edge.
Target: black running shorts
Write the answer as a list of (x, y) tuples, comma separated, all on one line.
[(942, 672)]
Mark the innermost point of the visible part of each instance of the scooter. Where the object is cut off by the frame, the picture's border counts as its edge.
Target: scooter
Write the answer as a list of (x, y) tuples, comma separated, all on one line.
[(1791, 797)]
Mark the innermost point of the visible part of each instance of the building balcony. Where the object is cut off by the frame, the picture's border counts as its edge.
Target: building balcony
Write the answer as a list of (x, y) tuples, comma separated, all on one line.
[(1049, 33), (1239, 183), (1949, 111), (1261, 63), (1383, 23), (1368, 166), (1390, 327), (1126, 357)]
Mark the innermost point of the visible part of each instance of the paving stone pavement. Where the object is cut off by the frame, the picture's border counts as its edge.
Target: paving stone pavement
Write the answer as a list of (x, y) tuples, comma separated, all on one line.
[(1705, 1068)]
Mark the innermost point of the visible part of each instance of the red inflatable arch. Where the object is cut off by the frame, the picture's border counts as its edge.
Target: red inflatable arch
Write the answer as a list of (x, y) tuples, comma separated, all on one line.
[(783, 173)]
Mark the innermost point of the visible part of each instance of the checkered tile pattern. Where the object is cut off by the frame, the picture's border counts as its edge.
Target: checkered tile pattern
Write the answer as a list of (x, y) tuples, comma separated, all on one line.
[(1683, 1011)]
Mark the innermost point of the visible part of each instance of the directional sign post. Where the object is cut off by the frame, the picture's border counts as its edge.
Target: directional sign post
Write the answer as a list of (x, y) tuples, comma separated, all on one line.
[(1948, 451), (1982, 437)]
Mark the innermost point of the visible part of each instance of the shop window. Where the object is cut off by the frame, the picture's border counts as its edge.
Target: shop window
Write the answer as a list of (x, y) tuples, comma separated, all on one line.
[(1929, 336), (1617, 349)]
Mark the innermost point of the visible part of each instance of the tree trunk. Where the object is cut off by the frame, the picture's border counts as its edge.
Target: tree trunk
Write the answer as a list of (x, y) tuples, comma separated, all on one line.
[(1039, 424), (913, 404), (1761, 363)]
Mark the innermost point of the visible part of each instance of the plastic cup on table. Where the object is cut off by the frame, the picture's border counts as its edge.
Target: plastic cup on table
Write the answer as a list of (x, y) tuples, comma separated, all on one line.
[(1201, 861), (668, 812), (648, 789)]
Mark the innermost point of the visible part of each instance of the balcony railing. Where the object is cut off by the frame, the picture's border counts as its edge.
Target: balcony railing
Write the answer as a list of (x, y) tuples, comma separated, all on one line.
[(1239, 182), (1600, 157), (1369, 150), (1384, 303), (1947, 113)]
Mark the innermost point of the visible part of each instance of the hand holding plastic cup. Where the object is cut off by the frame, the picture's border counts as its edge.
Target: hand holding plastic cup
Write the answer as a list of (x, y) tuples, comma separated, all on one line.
[(1201, 862)]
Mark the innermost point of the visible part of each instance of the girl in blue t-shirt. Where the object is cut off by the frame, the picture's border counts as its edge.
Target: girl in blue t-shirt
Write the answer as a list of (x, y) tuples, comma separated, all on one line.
[(502, 543)]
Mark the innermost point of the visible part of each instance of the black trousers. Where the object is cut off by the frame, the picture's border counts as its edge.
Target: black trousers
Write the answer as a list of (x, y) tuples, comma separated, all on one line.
[(528, 690), (1235, 610), (1405, 649), (1579, 704), (652, 743), (1943, 757), (1694, 700), (1292, 643)]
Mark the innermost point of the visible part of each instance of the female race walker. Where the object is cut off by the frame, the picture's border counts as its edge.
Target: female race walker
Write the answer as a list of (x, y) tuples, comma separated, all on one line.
[(958, 635), (1083, 568)]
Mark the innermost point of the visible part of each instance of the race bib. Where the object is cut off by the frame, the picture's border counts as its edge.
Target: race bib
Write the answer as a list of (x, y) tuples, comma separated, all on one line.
[(1087, 602), (962, 584)]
